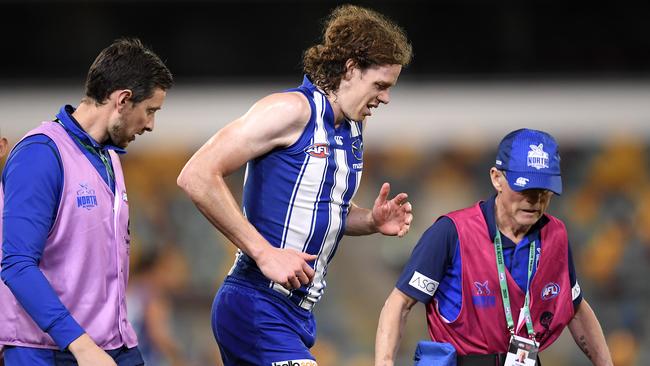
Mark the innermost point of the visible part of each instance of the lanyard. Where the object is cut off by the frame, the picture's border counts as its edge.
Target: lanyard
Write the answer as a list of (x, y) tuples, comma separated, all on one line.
[(97, 152), (505, 295)]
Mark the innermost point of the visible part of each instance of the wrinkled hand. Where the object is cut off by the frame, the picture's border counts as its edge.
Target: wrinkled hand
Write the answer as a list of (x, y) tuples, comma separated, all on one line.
[(392, 217), (287, 267), (87, 353)]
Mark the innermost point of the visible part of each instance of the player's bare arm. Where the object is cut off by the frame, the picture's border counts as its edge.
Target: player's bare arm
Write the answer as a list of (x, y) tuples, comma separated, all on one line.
[(588, 335), (389, 217), (275, 121), (391, 326)]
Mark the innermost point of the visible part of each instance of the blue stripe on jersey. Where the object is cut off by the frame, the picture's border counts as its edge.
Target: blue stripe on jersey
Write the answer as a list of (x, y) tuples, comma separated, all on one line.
[(298, 197)]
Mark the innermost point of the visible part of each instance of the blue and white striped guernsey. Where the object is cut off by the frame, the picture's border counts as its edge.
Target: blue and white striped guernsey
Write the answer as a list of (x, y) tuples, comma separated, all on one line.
[(299, 197)]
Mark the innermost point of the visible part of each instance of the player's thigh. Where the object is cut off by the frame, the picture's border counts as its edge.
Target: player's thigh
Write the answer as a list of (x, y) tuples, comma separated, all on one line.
[(256, 327), (233, 324), (276, 346), (286, 332), (282, 346)]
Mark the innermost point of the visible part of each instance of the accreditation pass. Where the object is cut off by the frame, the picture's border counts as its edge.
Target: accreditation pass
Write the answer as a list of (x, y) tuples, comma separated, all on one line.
[(521, 352)]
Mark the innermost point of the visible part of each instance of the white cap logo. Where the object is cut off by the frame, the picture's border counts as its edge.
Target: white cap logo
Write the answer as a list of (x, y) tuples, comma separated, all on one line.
[(537, 157), (521, 182)]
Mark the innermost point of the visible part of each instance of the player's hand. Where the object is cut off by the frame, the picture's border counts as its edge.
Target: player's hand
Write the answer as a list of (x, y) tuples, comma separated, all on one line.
[(287, 267), (87, 353), (392, 217)]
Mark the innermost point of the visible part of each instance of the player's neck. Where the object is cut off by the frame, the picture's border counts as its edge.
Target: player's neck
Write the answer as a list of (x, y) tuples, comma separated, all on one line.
[(339, 116), (93, 119)]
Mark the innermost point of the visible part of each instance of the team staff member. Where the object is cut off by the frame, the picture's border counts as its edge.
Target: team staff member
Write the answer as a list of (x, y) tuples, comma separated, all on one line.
[(304, 154), (65, 239), (454, 270)]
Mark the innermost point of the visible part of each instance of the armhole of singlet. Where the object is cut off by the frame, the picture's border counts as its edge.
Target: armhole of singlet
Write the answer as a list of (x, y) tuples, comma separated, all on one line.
[(305, 137)]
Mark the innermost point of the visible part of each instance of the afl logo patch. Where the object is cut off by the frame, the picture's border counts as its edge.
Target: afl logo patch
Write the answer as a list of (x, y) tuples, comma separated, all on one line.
[(551, 290), (319, 150)]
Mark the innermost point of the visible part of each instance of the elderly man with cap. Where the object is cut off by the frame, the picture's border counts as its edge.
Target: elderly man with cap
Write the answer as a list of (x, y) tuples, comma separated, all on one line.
[(497, 278)]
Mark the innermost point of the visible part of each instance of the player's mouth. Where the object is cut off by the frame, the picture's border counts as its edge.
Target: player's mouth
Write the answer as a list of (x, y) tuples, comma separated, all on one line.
[(369, 107)]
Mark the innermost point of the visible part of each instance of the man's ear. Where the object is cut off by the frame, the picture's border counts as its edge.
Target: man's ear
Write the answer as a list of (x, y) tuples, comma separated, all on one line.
[(495, 176), (122, 97), (350, 67)]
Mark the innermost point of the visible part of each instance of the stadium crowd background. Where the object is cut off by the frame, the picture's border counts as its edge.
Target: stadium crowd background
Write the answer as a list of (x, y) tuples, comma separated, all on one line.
[(578, 71)]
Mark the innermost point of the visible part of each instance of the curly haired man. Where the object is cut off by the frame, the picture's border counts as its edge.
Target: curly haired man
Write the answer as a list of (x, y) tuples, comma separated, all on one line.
[(304, 154)]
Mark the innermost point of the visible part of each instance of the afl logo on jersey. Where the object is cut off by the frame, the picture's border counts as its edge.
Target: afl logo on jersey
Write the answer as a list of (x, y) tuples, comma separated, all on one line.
[(551, 290), (319, 150)]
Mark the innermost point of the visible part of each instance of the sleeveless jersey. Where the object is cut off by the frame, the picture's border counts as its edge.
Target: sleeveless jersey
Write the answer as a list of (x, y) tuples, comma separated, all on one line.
[(299, 197)]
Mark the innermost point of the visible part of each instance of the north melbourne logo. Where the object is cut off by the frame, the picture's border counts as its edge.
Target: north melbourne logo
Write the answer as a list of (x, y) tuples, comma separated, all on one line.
[(483, 297), (537, 157), (482, 288), (86, 197), (357, 149)]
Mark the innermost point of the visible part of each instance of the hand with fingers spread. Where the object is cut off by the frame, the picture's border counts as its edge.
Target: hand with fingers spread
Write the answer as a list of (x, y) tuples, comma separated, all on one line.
[(288, 267), (392, 217)]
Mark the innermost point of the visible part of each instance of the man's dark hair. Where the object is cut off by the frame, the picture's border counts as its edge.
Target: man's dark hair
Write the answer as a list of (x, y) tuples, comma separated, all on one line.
[(127, 64)]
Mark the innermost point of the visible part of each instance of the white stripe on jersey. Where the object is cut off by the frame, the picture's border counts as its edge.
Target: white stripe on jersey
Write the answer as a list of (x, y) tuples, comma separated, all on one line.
[(335, 225), (356, 129), (301, 214), (292, 201)]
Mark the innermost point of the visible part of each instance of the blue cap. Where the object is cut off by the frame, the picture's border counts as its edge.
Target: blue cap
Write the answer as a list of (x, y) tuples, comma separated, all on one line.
[(531, 161)]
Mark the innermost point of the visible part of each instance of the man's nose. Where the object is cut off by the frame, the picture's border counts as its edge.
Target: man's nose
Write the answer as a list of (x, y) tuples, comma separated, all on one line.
[(384, 97)]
